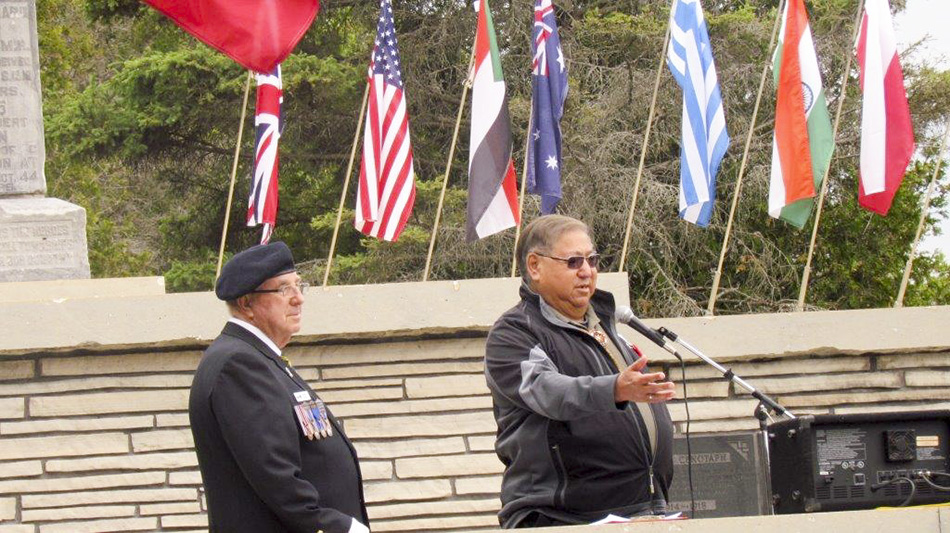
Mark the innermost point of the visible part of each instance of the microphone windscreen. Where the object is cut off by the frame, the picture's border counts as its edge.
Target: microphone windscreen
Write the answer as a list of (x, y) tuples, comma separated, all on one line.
[(623, 314)]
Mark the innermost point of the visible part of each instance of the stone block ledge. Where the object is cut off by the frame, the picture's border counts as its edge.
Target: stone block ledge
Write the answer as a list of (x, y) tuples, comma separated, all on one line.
[(357, 314), (348, 313), (919, 520)]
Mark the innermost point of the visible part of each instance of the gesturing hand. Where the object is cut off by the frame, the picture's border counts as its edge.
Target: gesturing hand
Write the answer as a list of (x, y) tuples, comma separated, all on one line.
[(635, 386)]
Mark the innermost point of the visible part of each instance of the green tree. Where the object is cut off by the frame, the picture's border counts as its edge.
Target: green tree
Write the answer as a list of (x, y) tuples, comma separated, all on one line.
[(141, 121)]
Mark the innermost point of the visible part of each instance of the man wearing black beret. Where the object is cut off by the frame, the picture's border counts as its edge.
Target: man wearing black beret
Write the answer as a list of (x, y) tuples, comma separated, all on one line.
[(272, 456)]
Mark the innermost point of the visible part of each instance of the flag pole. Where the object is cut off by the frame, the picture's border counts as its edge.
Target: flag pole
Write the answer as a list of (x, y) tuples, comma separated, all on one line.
[(923, 218), (234, 165), (846, 75), (448, 164), (524, 181), (346, 185), (714, 293), (643, 151)]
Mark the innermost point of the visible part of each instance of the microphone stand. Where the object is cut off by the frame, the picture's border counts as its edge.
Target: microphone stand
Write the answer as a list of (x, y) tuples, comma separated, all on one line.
[(727, 373), (762, 409)]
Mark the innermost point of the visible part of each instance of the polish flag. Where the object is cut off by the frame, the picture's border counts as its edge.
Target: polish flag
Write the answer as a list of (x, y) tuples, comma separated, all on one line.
[(887, 137)]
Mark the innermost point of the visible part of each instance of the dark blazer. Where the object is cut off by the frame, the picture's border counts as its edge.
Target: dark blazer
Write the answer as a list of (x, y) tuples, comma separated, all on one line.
[(260, 472)]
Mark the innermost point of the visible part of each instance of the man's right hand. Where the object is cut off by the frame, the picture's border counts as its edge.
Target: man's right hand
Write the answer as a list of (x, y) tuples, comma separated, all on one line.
[(634, 386)]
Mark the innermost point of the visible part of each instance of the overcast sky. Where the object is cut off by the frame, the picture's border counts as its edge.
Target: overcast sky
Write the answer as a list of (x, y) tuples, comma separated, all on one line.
[(928, 19)]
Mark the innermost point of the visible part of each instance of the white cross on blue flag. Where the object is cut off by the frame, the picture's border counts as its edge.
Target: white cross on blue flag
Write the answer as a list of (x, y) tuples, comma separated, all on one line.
[(704, 141)]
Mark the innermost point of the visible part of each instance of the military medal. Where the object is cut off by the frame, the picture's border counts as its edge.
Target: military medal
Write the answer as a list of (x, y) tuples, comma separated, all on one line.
[(304, 419), (319, 411)]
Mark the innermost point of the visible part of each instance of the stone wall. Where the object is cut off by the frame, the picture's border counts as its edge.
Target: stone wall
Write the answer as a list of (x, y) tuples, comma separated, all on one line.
[(96, 437)]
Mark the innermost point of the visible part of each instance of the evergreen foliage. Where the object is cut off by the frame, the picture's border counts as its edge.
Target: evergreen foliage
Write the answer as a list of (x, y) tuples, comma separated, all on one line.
[(141, 121)]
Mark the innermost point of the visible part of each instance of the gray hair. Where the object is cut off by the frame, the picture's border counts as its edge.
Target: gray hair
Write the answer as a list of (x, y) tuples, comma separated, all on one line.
[(541, 235)]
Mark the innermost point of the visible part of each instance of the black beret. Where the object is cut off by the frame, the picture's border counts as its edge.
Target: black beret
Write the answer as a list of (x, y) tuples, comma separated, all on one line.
[(248, 269)]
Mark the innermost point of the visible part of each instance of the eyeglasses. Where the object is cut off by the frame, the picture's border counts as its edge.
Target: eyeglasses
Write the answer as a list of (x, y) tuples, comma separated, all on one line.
[(286, 290), (575, 261)]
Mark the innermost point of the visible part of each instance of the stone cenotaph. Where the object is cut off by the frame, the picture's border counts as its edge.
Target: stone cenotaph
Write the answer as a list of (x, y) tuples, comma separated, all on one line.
[(40, 238)]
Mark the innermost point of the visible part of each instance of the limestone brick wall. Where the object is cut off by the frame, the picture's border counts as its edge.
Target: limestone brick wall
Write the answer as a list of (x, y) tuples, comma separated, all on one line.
[(94, 386), (100, 441)]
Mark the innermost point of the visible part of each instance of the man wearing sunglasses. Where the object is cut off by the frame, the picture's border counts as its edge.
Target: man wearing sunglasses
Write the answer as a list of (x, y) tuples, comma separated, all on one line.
[(583, 431), (272, 456)]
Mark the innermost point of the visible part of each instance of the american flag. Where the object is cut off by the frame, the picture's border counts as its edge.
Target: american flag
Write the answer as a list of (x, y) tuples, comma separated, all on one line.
[(262, 203), (387, 187), (549, 86)]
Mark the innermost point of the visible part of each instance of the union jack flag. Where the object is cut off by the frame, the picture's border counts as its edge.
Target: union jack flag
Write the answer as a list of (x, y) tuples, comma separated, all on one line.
[(262, 203), (543, 30), (387, 187), (549, 86)]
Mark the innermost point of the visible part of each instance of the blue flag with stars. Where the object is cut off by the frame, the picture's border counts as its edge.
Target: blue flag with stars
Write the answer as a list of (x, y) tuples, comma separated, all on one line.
[(549, 83)]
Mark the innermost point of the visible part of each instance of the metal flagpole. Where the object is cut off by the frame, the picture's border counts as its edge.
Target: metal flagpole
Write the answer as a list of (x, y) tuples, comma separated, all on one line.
[(714, 293), (643, 152), (524, 182), (448, 163), (237, 154), (923, 218), (824, 182), (346, 185)]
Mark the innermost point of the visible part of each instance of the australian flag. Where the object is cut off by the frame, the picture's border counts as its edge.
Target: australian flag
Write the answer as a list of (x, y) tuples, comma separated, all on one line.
[(549, 83)]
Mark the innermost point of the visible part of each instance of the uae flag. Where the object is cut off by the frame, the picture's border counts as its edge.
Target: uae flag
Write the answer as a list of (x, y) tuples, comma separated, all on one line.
[(803, 143), (887, 138), (492, 187)]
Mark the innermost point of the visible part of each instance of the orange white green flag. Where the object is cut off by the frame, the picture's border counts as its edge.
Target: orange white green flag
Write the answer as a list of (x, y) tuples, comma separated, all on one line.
[(803, 141)]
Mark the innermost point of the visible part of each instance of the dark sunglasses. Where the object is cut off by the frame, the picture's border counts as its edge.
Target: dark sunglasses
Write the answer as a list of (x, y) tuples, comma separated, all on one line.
[(575, 261)]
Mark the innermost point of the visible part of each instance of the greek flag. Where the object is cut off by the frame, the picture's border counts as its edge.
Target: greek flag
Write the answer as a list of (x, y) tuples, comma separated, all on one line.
[(704, 140)]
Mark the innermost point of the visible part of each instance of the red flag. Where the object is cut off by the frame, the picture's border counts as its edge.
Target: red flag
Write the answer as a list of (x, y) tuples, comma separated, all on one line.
[(887, 137), (258, 34)]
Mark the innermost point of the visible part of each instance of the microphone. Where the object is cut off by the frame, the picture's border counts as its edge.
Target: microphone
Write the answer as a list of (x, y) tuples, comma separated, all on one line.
[(625, 315)]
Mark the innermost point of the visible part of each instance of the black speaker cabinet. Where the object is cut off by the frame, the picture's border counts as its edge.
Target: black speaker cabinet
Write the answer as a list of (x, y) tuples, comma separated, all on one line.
[(832, 462)]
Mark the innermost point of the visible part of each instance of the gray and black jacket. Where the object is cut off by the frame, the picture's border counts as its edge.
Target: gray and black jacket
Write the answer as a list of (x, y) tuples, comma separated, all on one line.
[(570, 452)]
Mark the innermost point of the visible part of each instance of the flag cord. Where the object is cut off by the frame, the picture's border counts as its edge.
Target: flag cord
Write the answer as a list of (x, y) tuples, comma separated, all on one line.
[(448, 163), (643, 152), (234, 165), (524, 182), (923, 218), (824, 180), (346, 186), (714, 293)]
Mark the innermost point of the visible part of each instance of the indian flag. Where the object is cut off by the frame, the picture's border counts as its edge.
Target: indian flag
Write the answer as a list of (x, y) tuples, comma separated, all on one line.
[(803, 143), (492, 185)]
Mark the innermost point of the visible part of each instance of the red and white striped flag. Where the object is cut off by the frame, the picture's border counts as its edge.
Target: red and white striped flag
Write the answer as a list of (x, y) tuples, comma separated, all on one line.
[(887, 137), (262, 203), (387, 187)]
